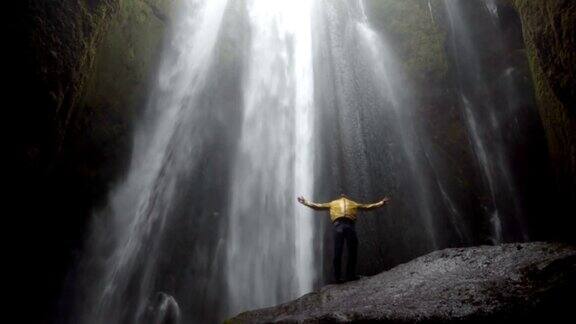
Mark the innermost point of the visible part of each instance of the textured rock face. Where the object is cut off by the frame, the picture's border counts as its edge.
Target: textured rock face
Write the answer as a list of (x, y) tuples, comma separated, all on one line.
[(97, 145), (73, 117), (52, 50), (550, 34), (477, 284)]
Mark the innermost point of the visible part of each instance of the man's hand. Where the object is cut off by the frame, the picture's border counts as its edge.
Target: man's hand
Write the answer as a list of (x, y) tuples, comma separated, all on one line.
[(302, 200)]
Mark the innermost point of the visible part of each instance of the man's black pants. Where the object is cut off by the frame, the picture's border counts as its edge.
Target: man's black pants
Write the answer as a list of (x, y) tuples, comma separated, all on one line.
[(345, 231)]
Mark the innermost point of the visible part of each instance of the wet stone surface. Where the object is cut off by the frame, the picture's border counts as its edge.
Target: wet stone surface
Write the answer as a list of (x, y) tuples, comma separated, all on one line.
[(476, 284)]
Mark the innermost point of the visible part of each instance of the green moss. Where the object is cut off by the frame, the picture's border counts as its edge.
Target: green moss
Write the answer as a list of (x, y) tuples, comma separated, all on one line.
[(417, 38), (115, 70), (549, 29), (125, 58)]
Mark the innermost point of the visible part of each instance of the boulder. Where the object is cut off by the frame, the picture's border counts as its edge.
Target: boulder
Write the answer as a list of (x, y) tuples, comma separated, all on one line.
[(162, 309), (530, 281)]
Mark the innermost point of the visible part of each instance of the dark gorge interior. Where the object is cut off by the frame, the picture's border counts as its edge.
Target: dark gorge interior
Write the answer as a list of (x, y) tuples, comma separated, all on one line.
[(160, 145)]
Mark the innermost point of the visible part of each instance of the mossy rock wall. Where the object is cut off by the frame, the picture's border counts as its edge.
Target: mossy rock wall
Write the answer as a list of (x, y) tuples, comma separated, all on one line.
[(116, 91), (78, 72), (126, 58), (549, 29), (52, 50), (417, 38)]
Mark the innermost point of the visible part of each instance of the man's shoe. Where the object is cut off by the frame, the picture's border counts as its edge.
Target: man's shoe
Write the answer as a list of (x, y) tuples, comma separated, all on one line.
[(338, 281), (353, 278)]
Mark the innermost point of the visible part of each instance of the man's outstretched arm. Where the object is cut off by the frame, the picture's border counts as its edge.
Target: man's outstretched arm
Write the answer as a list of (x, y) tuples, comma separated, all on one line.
[(380, 203), (313, 205)]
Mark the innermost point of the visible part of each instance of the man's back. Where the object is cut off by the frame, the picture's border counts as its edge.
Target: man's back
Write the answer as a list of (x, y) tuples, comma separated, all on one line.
[(343, 213), (344, 207)]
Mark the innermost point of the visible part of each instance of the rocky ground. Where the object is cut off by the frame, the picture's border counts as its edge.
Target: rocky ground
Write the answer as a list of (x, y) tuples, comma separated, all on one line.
[(510, 282)]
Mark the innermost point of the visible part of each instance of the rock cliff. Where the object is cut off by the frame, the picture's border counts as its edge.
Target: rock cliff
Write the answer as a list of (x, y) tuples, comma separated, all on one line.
[(549, 29), (78, 72)]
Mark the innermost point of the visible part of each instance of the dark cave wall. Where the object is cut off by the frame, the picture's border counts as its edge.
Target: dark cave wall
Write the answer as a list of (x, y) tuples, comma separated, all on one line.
[(78, 76), (549, 29), (98, 146), (49, 59), (53, 53)]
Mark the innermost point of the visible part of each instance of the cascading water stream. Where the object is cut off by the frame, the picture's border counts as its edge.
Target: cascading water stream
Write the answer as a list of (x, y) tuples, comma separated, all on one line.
[(393, 89), (258, 250), (487, 122), (310, 100), (270, 243), (132, 226)]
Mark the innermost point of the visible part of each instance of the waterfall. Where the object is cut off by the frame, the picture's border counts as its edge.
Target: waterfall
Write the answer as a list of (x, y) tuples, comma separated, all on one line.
[(256, 102), (488, 122), (269, 247), (393, 87), (122, 268), (176, 226)]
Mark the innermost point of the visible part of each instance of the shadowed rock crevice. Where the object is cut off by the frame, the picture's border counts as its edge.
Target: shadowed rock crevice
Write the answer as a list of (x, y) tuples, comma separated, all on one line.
[(549, 29)]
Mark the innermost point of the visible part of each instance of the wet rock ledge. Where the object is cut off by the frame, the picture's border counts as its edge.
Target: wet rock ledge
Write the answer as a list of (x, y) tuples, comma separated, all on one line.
[(509, 282)]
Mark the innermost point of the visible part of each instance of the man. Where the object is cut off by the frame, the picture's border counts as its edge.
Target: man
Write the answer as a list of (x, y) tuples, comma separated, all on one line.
[(343, 215)]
